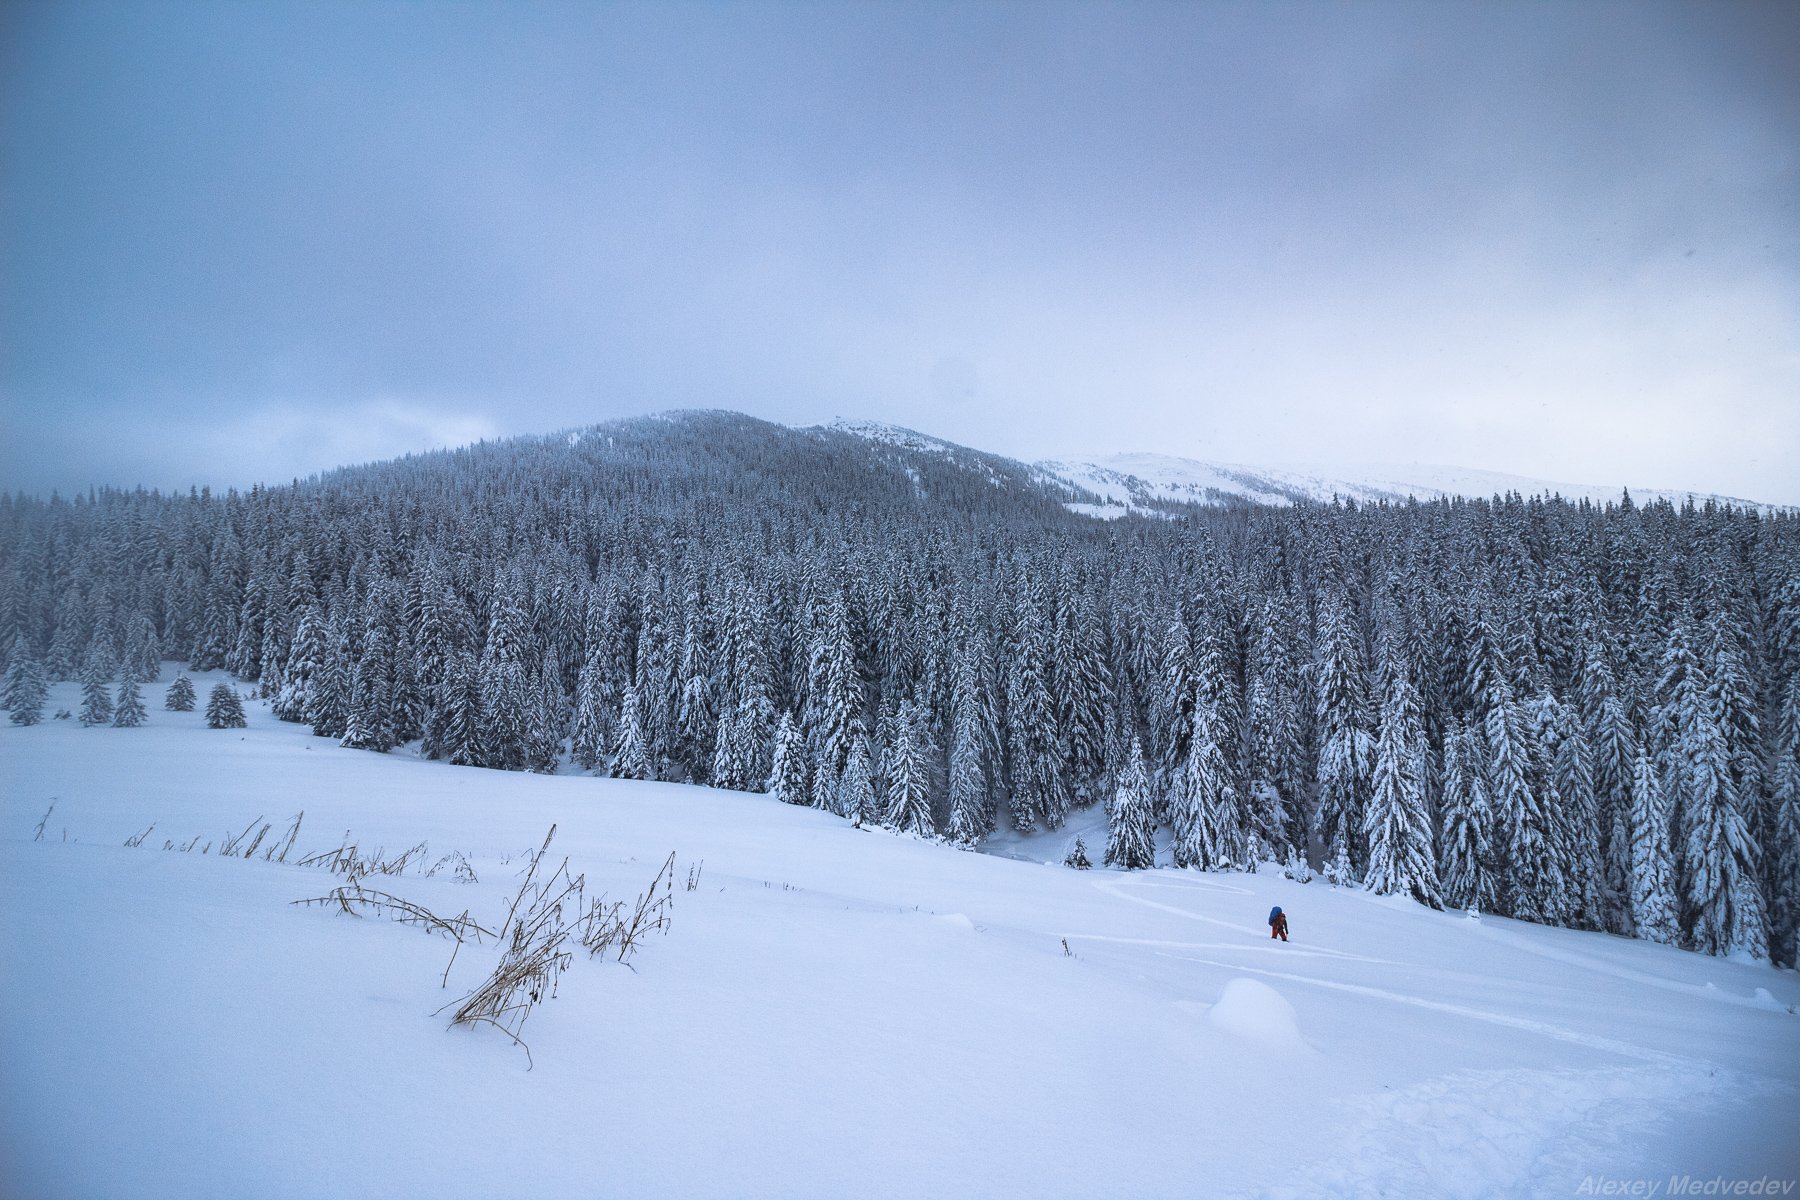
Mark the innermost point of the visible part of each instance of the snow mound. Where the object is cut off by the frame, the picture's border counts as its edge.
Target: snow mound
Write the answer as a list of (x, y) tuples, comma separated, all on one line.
[(1258, 1013), (957, 921)]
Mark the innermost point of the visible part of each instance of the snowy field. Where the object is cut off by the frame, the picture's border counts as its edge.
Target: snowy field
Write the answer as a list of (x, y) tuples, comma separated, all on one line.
[(833, 1012)]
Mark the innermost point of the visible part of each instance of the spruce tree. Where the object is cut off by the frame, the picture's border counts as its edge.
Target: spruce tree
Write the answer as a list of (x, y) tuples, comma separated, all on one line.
[(787, 777), (456, 721), (1465, 858), (1346, 752), (1396, 826), (1131, 820), (96, 697), (129, 712), (1783, 854), (223, 708), (294, 702), (1652, 865), (593, 713), (856, 791), (631, 758), (971, 744), (26, 690), (180, 695), (1203, 809), (909, 778)]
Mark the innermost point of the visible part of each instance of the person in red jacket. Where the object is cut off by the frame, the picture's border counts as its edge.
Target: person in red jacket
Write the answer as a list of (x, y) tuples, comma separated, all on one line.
[(1277, 923)]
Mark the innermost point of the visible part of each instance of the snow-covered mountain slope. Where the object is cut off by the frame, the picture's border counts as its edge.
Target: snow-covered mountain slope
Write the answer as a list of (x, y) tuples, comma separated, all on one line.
[(1139, 482), (1116, 484), (832, 1012)]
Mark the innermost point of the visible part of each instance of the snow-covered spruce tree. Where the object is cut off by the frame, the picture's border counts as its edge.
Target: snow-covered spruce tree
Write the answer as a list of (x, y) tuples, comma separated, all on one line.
[(832, 703), (1203, 807), (909, 775), (129, 712), (1131, 821), (180, 695), (1519, 843), (787, 777), (1171, 707), (294, 701), (1652, 864), (1465, 855), (18, 655), (369, 723), (454, 728), (96, 697), (856, 791), (1783, 856), (1346, 752), (329, 699), (1037, 787), (593, 714), (1609, 732), (223, 708), (546, 720), (972, 740), (1721, 898), (631, 758), (1082, 688), (26, 690), (1077, 856), (1276, 760), (1396, 826)]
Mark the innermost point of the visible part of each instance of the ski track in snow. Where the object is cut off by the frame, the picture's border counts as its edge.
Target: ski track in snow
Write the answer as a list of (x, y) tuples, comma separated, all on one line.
[(1114, 887), (1590, 1040)]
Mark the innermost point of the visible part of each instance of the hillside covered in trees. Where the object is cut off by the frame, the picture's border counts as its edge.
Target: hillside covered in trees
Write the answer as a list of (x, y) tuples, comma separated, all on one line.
[(1577, 715)]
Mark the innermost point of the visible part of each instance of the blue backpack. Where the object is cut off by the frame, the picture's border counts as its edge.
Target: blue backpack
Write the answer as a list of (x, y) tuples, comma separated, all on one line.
[(1273, 913)]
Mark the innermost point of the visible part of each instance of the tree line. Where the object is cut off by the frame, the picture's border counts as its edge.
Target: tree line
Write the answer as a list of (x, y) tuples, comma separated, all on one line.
[(1571, 714)]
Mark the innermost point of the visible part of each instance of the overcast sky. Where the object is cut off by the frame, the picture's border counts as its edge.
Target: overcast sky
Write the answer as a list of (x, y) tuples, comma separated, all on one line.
[(247, 241)]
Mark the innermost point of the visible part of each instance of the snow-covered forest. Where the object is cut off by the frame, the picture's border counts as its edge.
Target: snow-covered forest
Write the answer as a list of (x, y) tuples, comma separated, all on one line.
[(1575, 715)]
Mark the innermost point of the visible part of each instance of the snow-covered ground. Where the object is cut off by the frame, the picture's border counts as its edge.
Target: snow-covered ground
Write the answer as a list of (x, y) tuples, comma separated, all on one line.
[(1129, 482), (833, 1012)]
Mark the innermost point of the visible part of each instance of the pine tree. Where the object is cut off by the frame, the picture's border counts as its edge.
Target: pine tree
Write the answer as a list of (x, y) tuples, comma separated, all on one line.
[(787, 777), (1397, 826), (1721, 897), (129, 713), (971, 744), (1203, 806), (909, 779), (631, 758), (180, 696), (223, 708), (294, 702), (831, 707), (369, 723), (1131, 820), (1652, 866), (1465, 861), (26, 690), (856, 791), (328, 699), (19, 662), (1783, 853), (96, 697), (1038, 788), (456, 718), (1078, 856), (1346, 752), (593, 713)]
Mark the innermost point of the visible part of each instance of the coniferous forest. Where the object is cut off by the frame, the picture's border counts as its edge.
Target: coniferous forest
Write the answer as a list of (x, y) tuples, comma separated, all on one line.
[(1569, 714)]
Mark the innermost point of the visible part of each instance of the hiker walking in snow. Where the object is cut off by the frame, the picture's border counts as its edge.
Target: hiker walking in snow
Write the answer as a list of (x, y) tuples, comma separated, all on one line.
[(1277, 923)]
